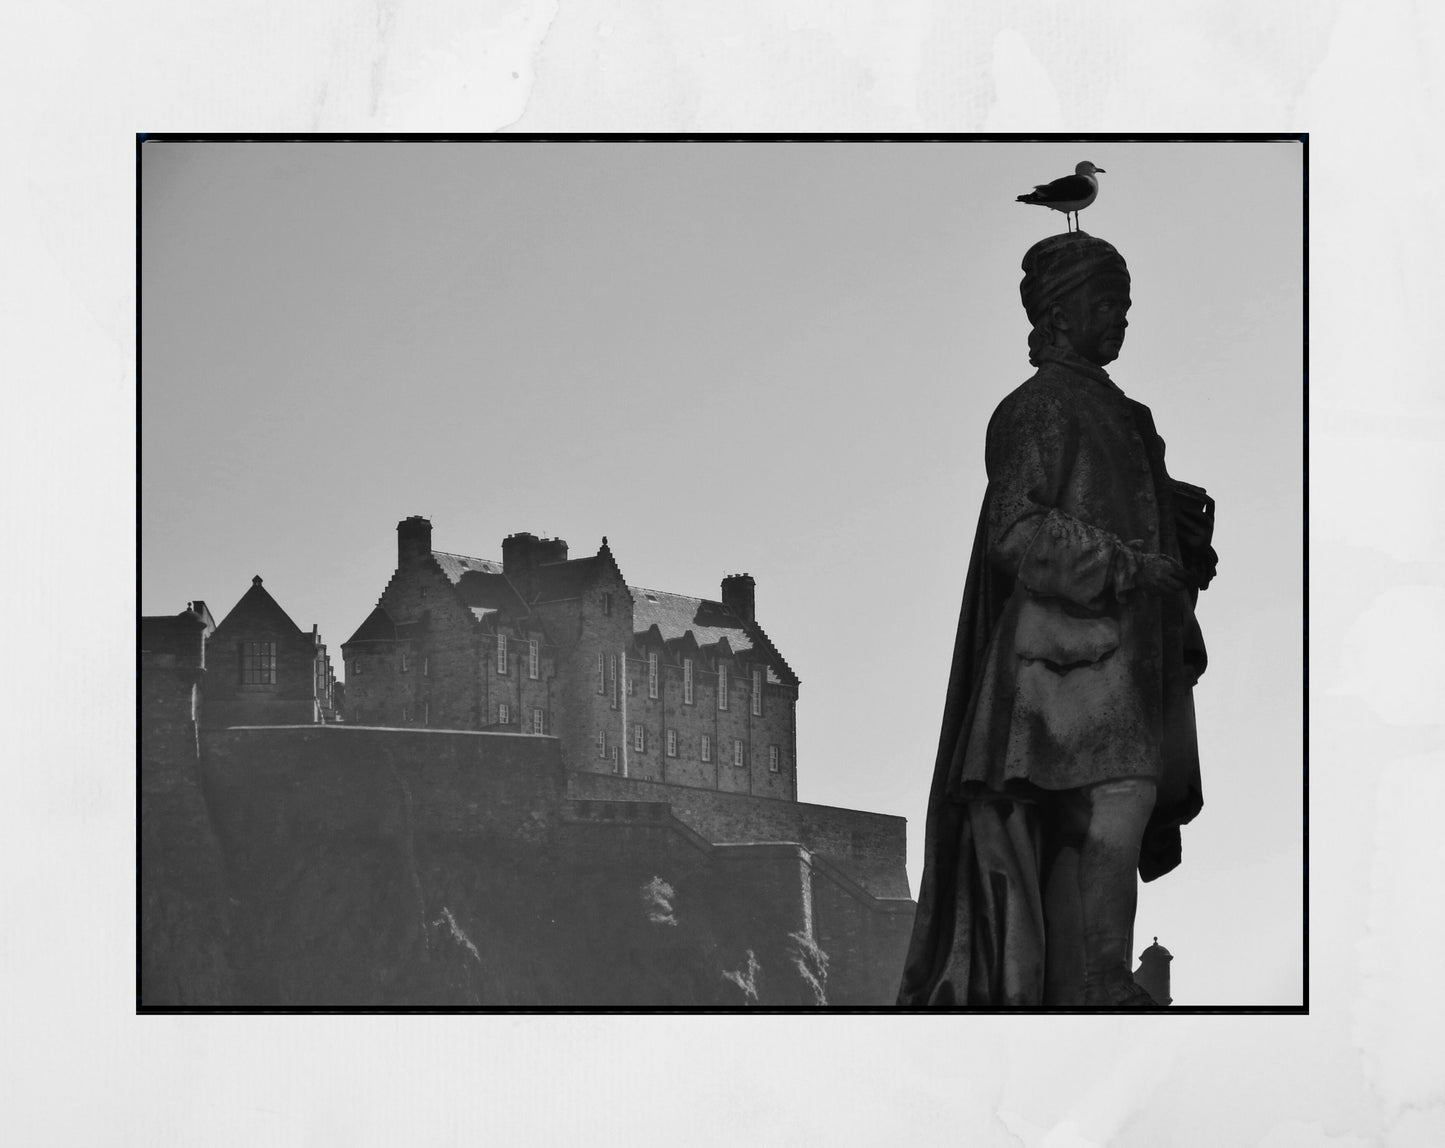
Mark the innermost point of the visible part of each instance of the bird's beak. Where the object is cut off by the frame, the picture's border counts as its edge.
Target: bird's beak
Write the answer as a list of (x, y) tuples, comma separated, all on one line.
[(1101, 171)]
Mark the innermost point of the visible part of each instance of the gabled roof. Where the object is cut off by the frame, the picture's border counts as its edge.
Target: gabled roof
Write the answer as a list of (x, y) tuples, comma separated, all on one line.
[(562, 580), (257, 605), (378, 627)]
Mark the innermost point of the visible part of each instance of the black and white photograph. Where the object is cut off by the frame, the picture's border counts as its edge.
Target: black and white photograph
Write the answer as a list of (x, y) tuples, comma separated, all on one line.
[(552, 555), (1023, 419)]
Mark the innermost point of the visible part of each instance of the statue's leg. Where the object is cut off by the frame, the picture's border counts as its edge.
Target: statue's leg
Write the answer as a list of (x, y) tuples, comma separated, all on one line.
[(1109, 886), (1065, 827)]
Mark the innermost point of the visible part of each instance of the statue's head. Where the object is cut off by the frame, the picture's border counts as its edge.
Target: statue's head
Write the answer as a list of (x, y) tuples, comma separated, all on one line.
[(1076, 292)]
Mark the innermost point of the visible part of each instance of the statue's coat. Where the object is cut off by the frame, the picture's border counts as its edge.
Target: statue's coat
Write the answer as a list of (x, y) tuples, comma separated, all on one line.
[(1064, 675)]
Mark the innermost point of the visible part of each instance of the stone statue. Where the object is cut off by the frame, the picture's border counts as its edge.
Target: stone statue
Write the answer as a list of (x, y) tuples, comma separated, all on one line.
[(1068, 757)]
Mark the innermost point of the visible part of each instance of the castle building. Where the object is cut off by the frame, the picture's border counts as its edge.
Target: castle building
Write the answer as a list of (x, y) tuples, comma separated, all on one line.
[(641, 683), (263, 669)]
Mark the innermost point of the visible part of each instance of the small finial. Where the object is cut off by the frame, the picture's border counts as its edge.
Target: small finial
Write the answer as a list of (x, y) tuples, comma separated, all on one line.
[(256, 581)]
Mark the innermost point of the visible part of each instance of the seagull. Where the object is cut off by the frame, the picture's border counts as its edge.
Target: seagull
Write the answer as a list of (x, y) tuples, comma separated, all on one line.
[(1072, 193)]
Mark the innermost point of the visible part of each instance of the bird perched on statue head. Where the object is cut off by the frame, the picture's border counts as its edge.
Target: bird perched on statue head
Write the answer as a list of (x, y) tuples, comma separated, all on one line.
[(1071, 194)]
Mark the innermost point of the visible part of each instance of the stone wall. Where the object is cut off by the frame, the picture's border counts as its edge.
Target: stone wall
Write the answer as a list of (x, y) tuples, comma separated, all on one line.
[(869, 846), (387, 867), (184, 916)]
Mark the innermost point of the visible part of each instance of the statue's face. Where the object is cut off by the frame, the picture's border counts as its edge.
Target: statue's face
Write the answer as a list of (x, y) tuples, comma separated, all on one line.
[(1094, 317)]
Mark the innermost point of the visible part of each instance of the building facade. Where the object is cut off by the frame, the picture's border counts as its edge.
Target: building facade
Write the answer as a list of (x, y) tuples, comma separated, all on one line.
[(641, 683), (263, 669)]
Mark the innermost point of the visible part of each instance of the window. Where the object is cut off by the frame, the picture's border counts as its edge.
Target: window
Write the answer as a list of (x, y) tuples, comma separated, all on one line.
[(601, 744), (601, 673), (258, 663), (639, 737), (757, 692), (722, 686), (616, 759), (687, 681), (405, 714), (737, 752), (426, 713), (501, 653), (631, 685), (504, 714), (356, 665), (405, 663), (672, 743), (652, 675), (538, 720), (607, 603), (612, 677), (425, 667), (532, 660), (774, 759), (707, 747)]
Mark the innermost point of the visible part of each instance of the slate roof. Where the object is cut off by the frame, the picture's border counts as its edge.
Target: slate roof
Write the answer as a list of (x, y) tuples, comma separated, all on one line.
[(256, 604), (675, 614), (489, 593), (563, 580), (455, 565), (709, 622), (377, 627)]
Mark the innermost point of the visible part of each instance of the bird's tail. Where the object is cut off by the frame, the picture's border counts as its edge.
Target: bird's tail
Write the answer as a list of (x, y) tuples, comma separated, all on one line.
[(1031, 197)]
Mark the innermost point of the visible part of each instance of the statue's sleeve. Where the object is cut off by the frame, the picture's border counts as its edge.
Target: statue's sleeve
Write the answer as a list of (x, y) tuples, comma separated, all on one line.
[(1032, 444)]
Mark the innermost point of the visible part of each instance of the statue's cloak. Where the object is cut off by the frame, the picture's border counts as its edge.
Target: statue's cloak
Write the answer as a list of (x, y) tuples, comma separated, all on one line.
[(1064, 675)]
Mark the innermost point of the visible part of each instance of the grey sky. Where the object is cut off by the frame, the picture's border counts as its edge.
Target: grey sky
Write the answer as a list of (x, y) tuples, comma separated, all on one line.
[(777, 358)]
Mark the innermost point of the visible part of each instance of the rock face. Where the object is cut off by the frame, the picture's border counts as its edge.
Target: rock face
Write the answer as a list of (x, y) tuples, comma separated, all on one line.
[(326, 865)]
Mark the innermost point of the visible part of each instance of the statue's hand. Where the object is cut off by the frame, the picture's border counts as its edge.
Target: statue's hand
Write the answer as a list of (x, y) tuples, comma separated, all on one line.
[(1160, 574)]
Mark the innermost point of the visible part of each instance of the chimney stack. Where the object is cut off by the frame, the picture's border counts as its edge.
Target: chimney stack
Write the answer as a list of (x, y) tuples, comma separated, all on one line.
[(737, 595), (413, 539), (523, 552)]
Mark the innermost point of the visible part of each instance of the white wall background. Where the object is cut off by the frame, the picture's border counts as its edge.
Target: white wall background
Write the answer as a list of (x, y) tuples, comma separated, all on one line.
[(1364, 1068)]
